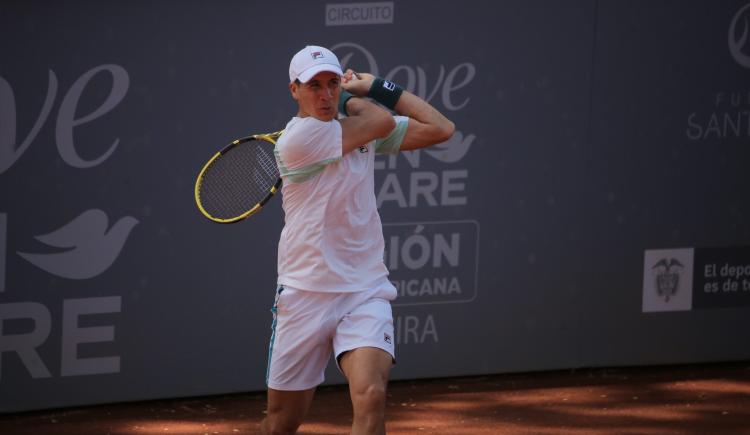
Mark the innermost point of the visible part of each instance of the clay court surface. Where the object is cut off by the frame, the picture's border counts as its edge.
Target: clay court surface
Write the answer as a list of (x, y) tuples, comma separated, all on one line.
[(694, 399)]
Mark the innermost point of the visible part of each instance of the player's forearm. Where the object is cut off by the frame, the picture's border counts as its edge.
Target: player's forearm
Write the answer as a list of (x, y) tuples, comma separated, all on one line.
[(437, 126), (366, 122), (378, 121), (427, 126)]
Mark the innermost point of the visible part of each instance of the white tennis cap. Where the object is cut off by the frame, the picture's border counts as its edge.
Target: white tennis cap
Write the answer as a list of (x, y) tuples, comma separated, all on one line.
[(312, 60)]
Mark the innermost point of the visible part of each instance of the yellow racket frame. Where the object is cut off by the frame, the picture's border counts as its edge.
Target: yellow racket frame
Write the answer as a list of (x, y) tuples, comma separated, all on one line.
[(269, 137)]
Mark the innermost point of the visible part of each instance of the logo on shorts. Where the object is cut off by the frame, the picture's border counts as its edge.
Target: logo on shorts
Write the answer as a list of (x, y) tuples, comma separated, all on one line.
[(387, 338), (363, 149), (316, 55)]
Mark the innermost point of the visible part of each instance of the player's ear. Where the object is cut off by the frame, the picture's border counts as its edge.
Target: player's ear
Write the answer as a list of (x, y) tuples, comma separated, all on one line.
[(293, 88)]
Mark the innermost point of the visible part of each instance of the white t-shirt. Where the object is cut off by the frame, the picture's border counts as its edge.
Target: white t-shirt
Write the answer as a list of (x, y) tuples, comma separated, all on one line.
[(332, 239)]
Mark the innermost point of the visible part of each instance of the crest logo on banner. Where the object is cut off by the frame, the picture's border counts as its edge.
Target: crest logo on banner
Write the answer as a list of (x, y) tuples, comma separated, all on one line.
[(667, 277), (739, 31), (668, 280)]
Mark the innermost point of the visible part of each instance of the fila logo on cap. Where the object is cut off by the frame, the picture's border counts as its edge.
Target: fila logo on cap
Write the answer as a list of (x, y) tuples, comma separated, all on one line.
[(312, 60)]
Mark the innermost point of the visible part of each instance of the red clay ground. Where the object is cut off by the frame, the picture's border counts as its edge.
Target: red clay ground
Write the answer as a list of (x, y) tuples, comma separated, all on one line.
[(705, 399)]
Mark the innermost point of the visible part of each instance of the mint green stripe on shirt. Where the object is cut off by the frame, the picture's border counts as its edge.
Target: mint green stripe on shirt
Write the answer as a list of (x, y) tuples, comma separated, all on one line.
[(392, 143), (304, 173)]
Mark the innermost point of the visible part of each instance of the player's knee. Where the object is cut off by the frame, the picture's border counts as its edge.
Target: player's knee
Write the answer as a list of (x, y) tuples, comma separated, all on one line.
[(277, 423), (281, 431), (370, 398), (277, 427)]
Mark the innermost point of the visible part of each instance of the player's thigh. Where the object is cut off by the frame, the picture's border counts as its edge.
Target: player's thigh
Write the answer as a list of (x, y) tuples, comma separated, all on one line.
[(367, 324), (367, 369), (287, 409), (300, 343)]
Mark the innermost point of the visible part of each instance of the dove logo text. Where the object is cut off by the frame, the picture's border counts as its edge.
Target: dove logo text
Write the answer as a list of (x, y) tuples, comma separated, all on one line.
[(25, 345), (432, 188), (66, 118), (414, 79), (448, 188)]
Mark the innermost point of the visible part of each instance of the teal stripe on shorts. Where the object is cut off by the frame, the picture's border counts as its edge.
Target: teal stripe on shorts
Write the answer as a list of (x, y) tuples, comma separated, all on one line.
[(275, 311)]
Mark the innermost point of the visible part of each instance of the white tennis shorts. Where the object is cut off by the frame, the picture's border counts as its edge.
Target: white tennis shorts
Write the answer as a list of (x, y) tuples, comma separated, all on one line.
[(307, 326)]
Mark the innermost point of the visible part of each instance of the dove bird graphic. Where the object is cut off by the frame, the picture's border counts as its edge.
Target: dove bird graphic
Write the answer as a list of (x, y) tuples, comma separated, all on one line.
[(92, 249), (453, 149)]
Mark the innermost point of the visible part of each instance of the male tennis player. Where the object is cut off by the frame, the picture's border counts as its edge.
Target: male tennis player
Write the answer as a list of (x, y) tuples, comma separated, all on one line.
[(333, 291)]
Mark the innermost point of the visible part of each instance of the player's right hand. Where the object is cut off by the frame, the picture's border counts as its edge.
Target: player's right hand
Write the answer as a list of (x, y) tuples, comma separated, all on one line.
[(357, 83)]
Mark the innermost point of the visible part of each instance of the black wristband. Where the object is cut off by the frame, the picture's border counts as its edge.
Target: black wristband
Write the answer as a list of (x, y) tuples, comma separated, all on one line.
[(385, 92), (343, 98)]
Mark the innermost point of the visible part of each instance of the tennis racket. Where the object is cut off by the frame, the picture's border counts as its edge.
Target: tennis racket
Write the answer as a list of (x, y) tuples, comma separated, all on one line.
[(239, 180)]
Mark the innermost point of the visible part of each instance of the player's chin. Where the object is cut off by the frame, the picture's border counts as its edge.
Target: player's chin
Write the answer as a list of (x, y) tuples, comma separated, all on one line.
[(326, 114)]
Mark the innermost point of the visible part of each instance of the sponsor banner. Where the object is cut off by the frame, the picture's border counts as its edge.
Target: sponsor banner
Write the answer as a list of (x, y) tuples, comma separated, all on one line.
[(354, 14), (433, 262), (416, 329), (48, 255), (696, 278), (722, 277)]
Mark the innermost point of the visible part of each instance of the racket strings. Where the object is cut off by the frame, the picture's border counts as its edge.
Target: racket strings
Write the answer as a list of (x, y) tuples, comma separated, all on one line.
[(239, 179)]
